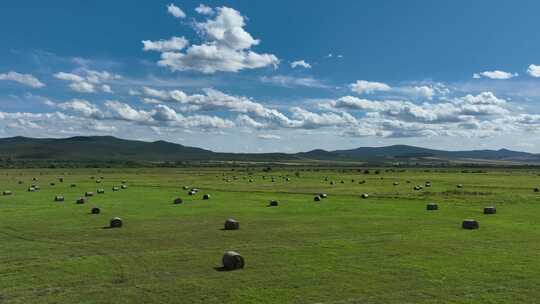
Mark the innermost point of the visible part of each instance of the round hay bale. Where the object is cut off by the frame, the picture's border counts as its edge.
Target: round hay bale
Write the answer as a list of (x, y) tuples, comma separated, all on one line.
[(536, 189), (52, 184), (317, 198), (332, 183), (365, 195), (231, 224), (81, 201), (59, 198), (396, 183), (34, 178), (206, 196), (89, 193), (116, 222), (470, 224), (7, 192), (95, 210), (273, 203), (177, 201), (31, 189), (428, 184), (61, 179), (251, 181), (490, 210), (232, 260), (115, 188), (123, 186), (192, 192), (20, 182), (459, 185), (73, 185), (124, 181), (432, 206), (323, 195), (362, 182), (288, 179), (342, 182), (37, 188), (98, 181), (100, 191)]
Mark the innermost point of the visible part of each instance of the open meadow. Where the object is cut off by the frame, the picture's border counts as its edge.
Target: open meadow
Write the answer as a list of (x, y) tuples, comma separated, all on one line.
[(386, 248)]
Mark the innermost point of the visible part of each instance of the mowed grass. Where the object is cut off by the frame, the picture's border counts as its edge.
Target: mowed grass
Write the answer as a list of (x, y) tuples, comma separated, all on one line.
[(384, 249)]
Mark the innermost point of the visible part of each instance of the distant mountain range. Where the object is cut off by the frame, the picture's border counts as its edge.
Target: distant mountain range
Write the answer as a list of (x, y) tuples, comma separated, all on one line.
[(108, 148)]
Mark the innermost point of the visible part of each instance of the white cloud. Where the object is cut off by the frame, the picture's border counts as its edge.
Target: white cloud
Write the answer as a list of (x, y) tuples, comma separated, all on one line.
[(300, 63), (290, 82), (268, 136), (90, 81), (226, 47), (204, 10), (26, 79), (534, 70), (173, 44), (494, 75), (176, 11), (369, 87)]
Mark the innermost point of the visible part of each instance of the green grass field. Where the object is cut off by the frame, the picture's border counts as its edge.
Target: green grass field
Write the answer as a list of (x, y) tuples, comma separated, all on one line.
[(384, 249)]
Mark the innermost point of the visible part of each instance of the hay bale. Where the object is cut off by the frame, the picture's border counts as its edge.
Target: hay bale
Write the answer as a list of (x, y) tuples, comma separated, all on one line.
[(177, 201), (192, 192), (362, 182), (323, 195), (432, 206), (232, 260), (59, 198), (490, 210), (100, 191), (231, 224), (332, 183), (98, 181), (95, 210), (116, 222), (470, 224), (459, 185), (7, 192), (123, 186), (115, 188), (20, 182), (396, 183), (37, 188), (342, 182), (536, 189), (124, 181), (52, 184), (317, 198), (31, 189), (81, 201), (428, 184), (185, 187), (273, 203), (89, 193), (365, 195), (73, 185), (206, 196), (61, 179)]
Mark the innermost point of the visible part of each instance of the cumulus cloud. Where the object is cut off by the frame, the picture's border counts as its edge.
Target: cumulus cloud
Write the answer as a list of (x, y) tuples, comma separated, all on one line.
[(300, 63), (88, 81), (26, 79), (494, 75), (175, 11), (534, 70), (369, 87), (226, 47), (204, 10), (172, 44)]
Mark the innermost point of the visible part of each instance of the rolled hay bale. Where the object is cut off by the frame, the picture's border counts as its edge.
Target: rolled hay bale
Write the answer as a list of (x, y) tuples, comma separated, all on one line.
[(342, 182), (31, 189), (273, 180), (232, 260), (73, 185), (7, 192), (251, 180), (124, 181), (536, 189), (317, 198), (396, 183), (459, 185), (124, 186), (428, 184), (206, 196), (432, 206), (98, 181), (231, 224), (100, 191), (95, 210), (177, 201), (490, 210), (195, 190), (418, 188), (185, 187), (192, 192), (61, 179), (273, 203), (89, 193), (52, 184), (287, 179), (332, 183), (116, 222), (362, 182), (37, 188), (365, 195), (323, 195), (59, 198), (34, 179), (20, 182), (470, 224), (115, 188), (81, 200)]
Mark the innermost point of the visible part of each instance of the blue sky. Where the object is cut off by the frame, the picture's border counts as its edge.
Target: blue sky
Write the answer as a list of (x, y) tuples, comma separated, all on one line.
[(248, 76)]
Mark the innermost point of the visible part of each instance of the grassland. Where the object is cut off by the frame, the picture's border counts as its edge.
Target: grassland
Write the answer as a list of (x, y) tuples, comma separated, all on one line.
[(384, 249)]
